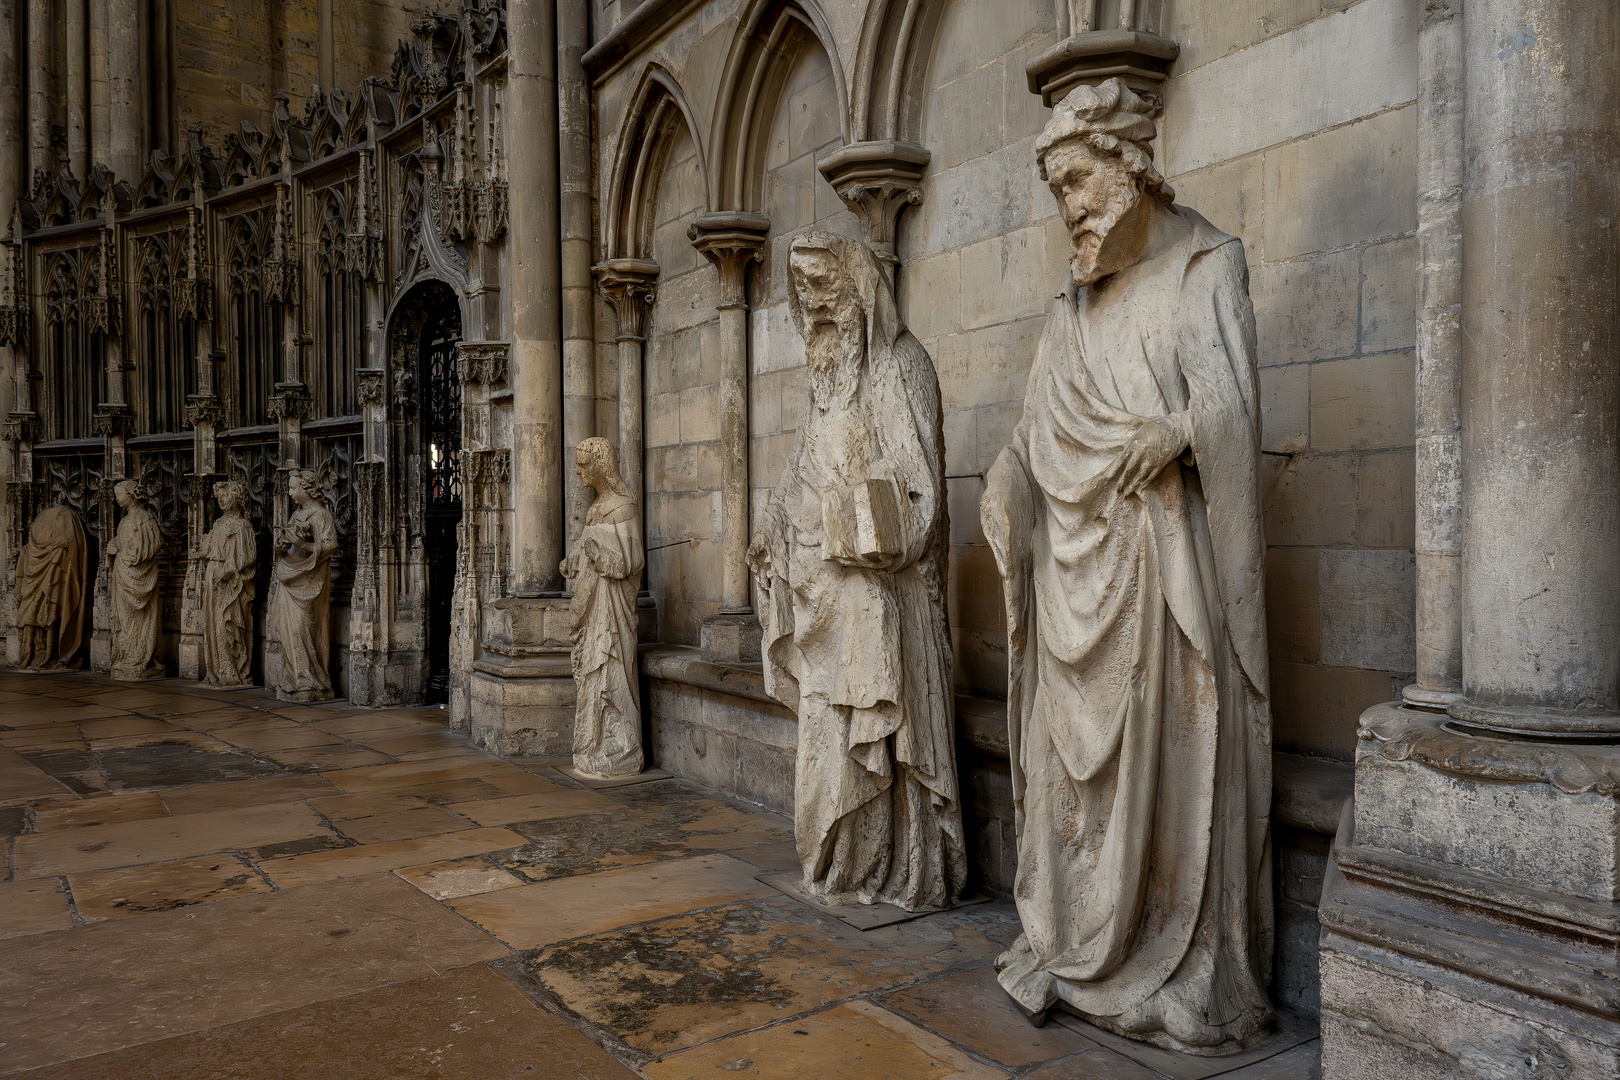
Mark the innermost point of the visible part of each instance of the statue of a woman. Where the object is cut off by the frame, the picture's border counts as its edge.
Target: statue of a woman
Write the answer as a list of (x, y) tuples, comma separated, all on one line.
[(301, 593), (133, 586), (50, 592), (606, 569), (232, 552)]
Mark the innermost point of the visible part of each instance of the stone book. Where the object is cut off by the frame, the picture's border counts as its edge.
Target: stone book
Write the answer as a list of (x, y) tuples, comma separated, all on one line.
[(860, 522)]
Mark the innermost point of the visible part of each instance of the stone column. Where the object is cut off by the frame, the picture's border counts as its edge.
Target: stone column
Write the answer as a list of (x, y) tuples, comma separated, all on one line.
[(628, 285), (574, 195), (1471, 907), (78, 86), (1439, 358), (732, 241), (522, 686), (125, 127), (1541, 382), (325, 46), (39, 87), (13, 161), (536, 377)]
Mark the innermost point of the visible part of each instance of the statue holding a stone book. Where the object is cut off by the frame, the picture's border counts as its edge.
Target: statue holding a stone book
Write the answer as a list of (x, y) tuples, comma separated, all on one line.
[(849, 568)]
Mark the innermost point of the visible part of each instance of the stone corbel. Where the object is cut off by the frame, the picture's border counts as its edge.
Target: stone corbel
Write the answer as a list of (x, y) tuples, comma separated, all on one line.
[(489, 210), (204, 409), (877, 180), (22, 427), (630, 286), (291, 401), (112, 421), (370, 387), (731, 240), (1138, 58), (483, 362)]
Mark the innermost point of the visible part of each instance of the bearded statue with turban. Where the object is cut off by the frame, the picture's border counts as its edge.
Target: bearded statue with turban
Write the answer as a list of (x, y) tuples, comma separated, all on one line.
[(1125, 519), (849, 565)]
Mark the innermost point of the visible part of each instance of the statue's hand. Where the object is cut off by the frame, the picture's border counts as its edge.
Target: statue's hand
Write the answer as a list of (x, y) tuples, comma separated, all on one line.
[(759, 551), (1155, 444)]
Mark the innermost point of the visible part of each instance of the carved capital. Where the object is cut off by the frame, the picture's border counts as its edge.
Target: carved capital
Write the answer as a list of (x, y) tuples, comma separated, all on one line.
[(22, 427), (291, 401), (1139, 59), (111, 421), (370, 388), (731, 241), (204, 409), (483, 361), (877, 180), (630, 285)]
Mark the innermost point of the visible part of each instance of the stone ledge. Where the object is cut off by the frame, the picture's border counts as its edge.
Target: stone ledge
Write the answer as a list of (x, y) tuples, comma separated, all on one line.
[(633, 33), (1308, 793)]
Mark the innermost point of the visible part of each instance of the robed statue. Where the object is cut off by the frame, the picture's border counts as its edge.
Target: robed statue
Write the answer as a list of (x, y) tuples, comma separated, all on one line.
[(132, 586), (300, 613), (231, 551), (1125, 518), (50, 592), (849, 567), (605, 567)]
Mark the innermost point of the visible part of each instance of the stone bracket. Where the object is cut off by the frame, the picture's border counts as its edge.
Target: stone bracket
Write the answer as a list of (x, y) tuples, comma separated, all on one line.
[(731, 240), (630, 286), (877, 180), (1138, 59)]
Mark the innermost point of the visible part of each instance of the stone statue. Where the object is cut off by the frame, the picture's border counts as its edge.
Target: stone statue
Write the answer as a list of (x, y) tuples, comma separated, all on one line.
[(606, 571), (849, 564), (132, 586), (1125, 519), (50, 592), (301, 593), (231, 551)]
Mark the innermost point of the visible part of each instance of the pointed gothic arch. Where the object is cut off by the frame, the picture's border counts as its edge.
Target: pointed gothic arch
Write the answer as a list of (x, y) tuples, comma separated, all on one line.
[(651, 128), (891, 70), (769, 36)]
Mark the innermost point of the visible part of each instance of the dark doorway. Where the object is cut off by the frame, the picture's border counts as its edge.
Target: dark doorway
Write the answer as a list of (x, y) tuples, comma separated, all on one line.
[(440, 384)]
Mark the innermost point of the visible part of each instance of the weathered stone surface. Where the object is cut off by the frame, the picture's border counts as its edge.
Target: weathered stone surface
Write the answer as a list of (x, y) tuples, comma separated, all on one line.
[(132, 586), (1074, 510), (231, 550), (853, 540), (50, 592), (301, 594)]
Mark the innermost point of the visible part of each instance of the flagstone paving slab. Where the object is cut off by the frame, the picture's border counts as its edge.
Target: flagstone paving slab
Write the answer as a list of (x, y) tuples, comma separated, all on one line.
[(127, 843), (550, 911), (140, 890), (670, 825), (403, 825), (340, 807), (695, 977), (21, 779), (467, 1024), (458, 877), (549, 804), (378, 858), (972, 1008), (854, 1041), (199, 798), (324, 758), (108, 985), (33, 907), (101, 810), (413, 774)]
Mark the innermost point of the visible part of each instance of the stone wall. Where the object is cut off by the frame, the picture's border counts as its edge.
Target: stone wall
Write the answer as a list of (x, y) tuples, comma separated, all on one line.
[(1309, 160)]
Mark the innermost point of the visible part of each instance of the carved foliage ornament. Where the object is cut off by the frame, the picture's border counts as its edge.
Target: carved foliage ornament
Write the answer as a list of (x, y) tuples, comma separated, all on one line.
[(483, 361)]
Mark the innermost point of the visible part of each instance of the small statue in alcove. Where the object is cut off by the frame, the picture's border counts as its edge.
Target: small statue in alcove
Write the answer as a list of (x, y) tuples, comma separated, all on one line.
[(301, 593), (232, 554), (605, 567), (133, 581)]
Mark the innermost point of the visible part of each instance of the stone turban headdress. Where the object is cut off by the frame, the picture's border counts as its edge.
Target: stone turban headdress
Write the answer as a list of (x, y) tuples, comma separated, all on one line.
[(1113, 120)]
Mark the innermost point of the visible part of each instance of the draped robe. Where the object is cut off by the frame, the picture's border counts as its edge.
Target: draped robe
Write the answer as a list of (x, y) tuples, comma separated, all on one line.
[(1140, 727), (50, 591), (133, 582), (607, 713), (864, 652), (300, 606), (232, 552)]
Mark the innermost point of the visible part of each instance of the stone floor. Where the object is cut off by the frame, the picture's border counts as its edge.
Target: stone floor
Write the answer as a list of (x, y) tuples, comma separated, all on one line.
[(212, 884)]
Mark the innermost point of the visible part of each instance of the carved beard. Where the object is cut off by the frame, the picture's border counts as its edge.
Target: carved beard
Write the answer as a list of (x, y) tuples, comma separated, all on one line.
[(1085, 246), (834, 351)]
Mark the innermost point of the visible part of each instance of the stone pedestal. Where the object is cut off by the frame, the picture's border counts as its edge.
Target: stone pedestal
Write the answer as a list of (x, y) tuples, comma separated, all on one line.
[(522, 687), (731, 638), (1470, 923)]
